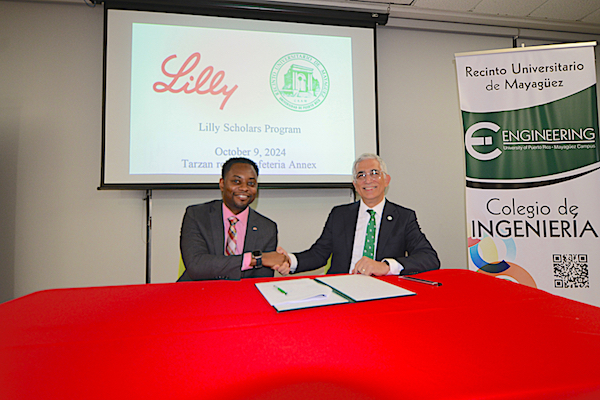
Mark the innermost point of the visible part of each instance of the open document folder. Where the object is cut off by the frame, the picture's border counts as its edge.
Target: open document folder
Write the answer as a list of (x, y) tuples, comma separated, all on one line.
[(293, 294)]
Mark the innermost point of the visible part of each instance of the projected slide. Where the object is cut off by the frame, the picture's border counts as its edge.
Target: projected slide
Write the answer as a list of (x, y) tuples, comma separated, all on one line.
[(186, 93)]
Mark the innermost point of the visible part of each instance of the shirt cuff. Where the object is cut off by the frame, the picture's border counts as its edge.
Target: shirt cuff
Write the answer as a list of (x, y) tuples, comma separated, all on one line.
[(395, 266), (246, 261), (293, 262)]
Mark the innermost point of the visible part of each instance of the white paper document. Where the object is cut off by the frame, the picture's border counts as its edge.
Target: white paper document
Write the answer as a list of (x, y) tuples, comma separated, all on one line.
[(360, 287), (293, 294), (298, 293)]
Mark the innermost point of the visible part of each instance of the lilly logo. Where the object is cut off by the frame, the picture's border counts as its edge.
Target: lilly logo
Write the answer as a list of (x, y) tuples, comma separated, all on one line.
[(471, 141), (183, 79)]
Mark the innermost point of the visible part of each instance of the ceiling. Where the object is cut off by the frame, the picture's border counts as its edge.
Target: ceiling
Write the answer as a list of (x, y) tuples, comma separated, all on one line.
[(559, 15), (574, 11)]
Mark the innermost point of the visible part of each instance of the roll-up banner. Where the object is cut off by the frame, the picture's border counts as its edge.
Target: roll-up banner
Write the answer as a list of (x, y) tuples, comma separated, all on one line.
[(530, 121)]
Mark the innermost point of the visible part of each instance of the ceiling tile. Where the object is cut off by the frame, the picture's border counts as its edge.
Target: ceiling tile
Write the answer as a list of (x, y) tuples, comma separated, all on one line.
[(572, 10), (593, 18), (447, 5), (513, 8)]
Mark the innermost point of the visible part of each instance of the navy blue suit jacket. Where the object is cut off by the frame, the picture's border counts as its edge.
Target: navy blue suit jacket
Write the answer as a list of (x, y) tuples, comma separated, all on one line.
[(400, 238)]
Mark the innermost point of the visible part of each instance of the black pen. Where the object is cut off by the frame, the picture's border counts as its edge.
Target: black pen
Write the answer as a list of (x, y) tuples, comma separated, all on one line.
[(408, 278)]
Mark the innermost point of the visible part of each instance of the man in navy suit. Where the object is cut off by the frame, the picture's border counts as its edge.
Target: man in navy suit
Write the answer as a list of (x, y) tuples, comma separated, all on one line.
[(396, 246), (226, 239)]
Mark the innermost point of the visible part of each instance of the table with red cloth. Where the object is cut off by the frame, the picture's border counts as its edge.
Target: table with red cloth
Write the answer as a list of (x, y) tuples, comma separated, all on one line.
[(474, 337)]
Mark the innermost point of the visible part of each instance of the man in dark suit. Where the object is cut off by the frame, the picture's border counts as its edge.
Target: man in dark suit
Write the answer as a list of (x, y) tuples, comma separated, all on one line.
[(372, 236), (226, 239)]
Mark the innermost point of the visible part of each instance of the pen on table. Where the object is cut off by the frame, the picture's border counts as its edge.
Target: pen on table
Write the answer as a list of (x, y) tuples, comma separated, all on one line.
[(408, 278), (280, 289)]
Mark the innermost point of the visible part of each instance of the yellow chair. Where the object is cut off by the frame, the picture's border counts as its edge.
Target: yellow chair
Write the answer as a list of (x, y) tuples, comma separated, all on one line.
[(328, 265), (181, 267)]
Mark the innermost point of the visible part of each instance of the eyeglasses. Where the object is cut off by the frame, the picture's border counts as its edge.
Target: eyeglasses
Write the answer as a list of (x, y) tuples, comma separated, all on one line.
[(374, 174)]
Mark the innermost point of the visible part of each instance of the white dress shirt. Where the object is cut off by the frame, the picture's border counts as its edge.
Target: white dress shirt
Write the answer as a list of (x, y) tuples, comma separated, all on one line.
[(361, 231)]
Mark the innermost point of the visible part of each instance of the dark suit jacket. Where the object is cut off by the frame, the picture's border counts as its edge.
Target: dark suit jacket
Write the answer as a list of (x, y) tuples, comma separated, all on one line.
[(400, 238), (202, 243)]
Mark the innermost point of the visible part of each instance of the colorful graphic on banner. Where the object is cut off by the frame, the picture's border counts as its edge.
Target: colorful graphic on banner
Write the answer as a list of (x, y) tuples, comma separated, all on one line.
[(533, 166)]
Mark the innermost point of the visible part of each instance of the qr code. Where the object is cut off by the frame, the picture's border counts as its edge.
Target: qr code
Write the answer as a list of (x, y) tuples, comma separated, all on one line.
[(571, 271)]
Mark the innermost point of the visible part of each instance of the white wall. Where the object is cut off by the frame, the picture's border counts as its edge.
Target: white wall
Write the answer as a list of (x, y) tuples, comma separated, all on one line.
[(65, 232), (56, 228)]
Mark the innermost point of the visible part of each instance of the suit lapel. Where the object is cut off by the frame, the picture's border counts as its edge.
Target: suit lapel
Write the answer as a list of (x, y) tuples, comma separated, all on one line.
[(349, 227), (251, 231), (389, 219), (216, 224)]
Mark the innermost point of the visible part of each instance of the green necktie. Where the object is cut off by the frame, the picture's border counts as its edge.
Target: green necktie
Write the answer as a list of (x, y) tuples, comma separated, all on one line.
[(369, 249)]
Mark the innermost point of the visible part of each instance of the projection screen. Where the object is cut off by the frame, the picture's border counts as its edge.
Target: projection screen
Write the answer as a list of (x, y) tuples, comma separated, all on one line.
[(184, 93)]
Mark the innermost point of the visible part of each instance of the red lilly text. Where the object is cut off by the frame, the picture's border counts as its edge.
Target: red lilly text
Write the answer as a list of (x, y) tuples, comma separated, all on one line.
[(189, 87)]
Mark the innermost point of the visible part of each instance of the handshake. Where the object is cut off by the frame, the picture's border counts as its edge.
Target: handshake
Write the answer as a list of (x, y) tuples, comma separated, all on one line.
[(277, 260)]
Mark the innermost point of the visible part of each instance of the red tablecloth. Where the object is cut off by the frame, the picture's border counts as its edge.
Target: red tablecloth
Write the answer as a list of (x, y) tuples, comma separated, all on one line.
[(475, 337)]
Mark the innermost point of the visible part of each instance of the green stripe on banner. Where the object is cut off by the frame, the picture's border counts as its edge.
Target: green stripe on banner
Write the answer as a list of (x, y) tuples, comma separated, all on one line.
[(523, 143)]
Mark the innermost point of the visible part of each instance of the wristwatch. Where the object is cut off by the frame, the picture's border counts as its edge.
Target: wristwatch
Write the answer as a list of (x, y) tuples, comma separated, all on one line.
[(257, 254)]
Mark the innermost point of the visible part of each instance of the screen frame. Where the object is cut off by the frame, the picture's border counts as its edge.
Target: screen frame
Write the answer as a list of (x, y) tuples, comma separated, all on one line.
[(253, 11)]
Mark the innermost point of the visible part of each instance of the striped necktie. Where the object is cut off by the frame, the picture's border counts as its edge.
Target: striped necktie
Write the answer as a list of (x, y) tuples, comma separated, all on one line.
[(369, 250), (231, 245)]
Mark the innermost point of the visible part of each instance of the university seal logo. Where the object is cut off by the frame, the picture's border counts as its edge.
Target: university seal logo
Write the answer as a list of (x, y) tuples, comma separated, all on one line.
[(299, 82)]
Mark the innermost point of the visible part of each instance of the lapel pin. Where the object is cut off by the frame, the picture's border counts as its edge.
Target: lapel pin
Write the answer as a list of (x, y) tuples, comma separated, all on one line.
[(389, 218), (254, 228)]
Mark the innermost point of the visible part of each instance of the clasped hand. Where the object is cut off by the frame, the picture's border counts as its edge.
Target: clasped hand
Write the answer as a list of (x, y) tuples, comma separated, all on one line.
[(280, 261), (368, 266), (277, 261)]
